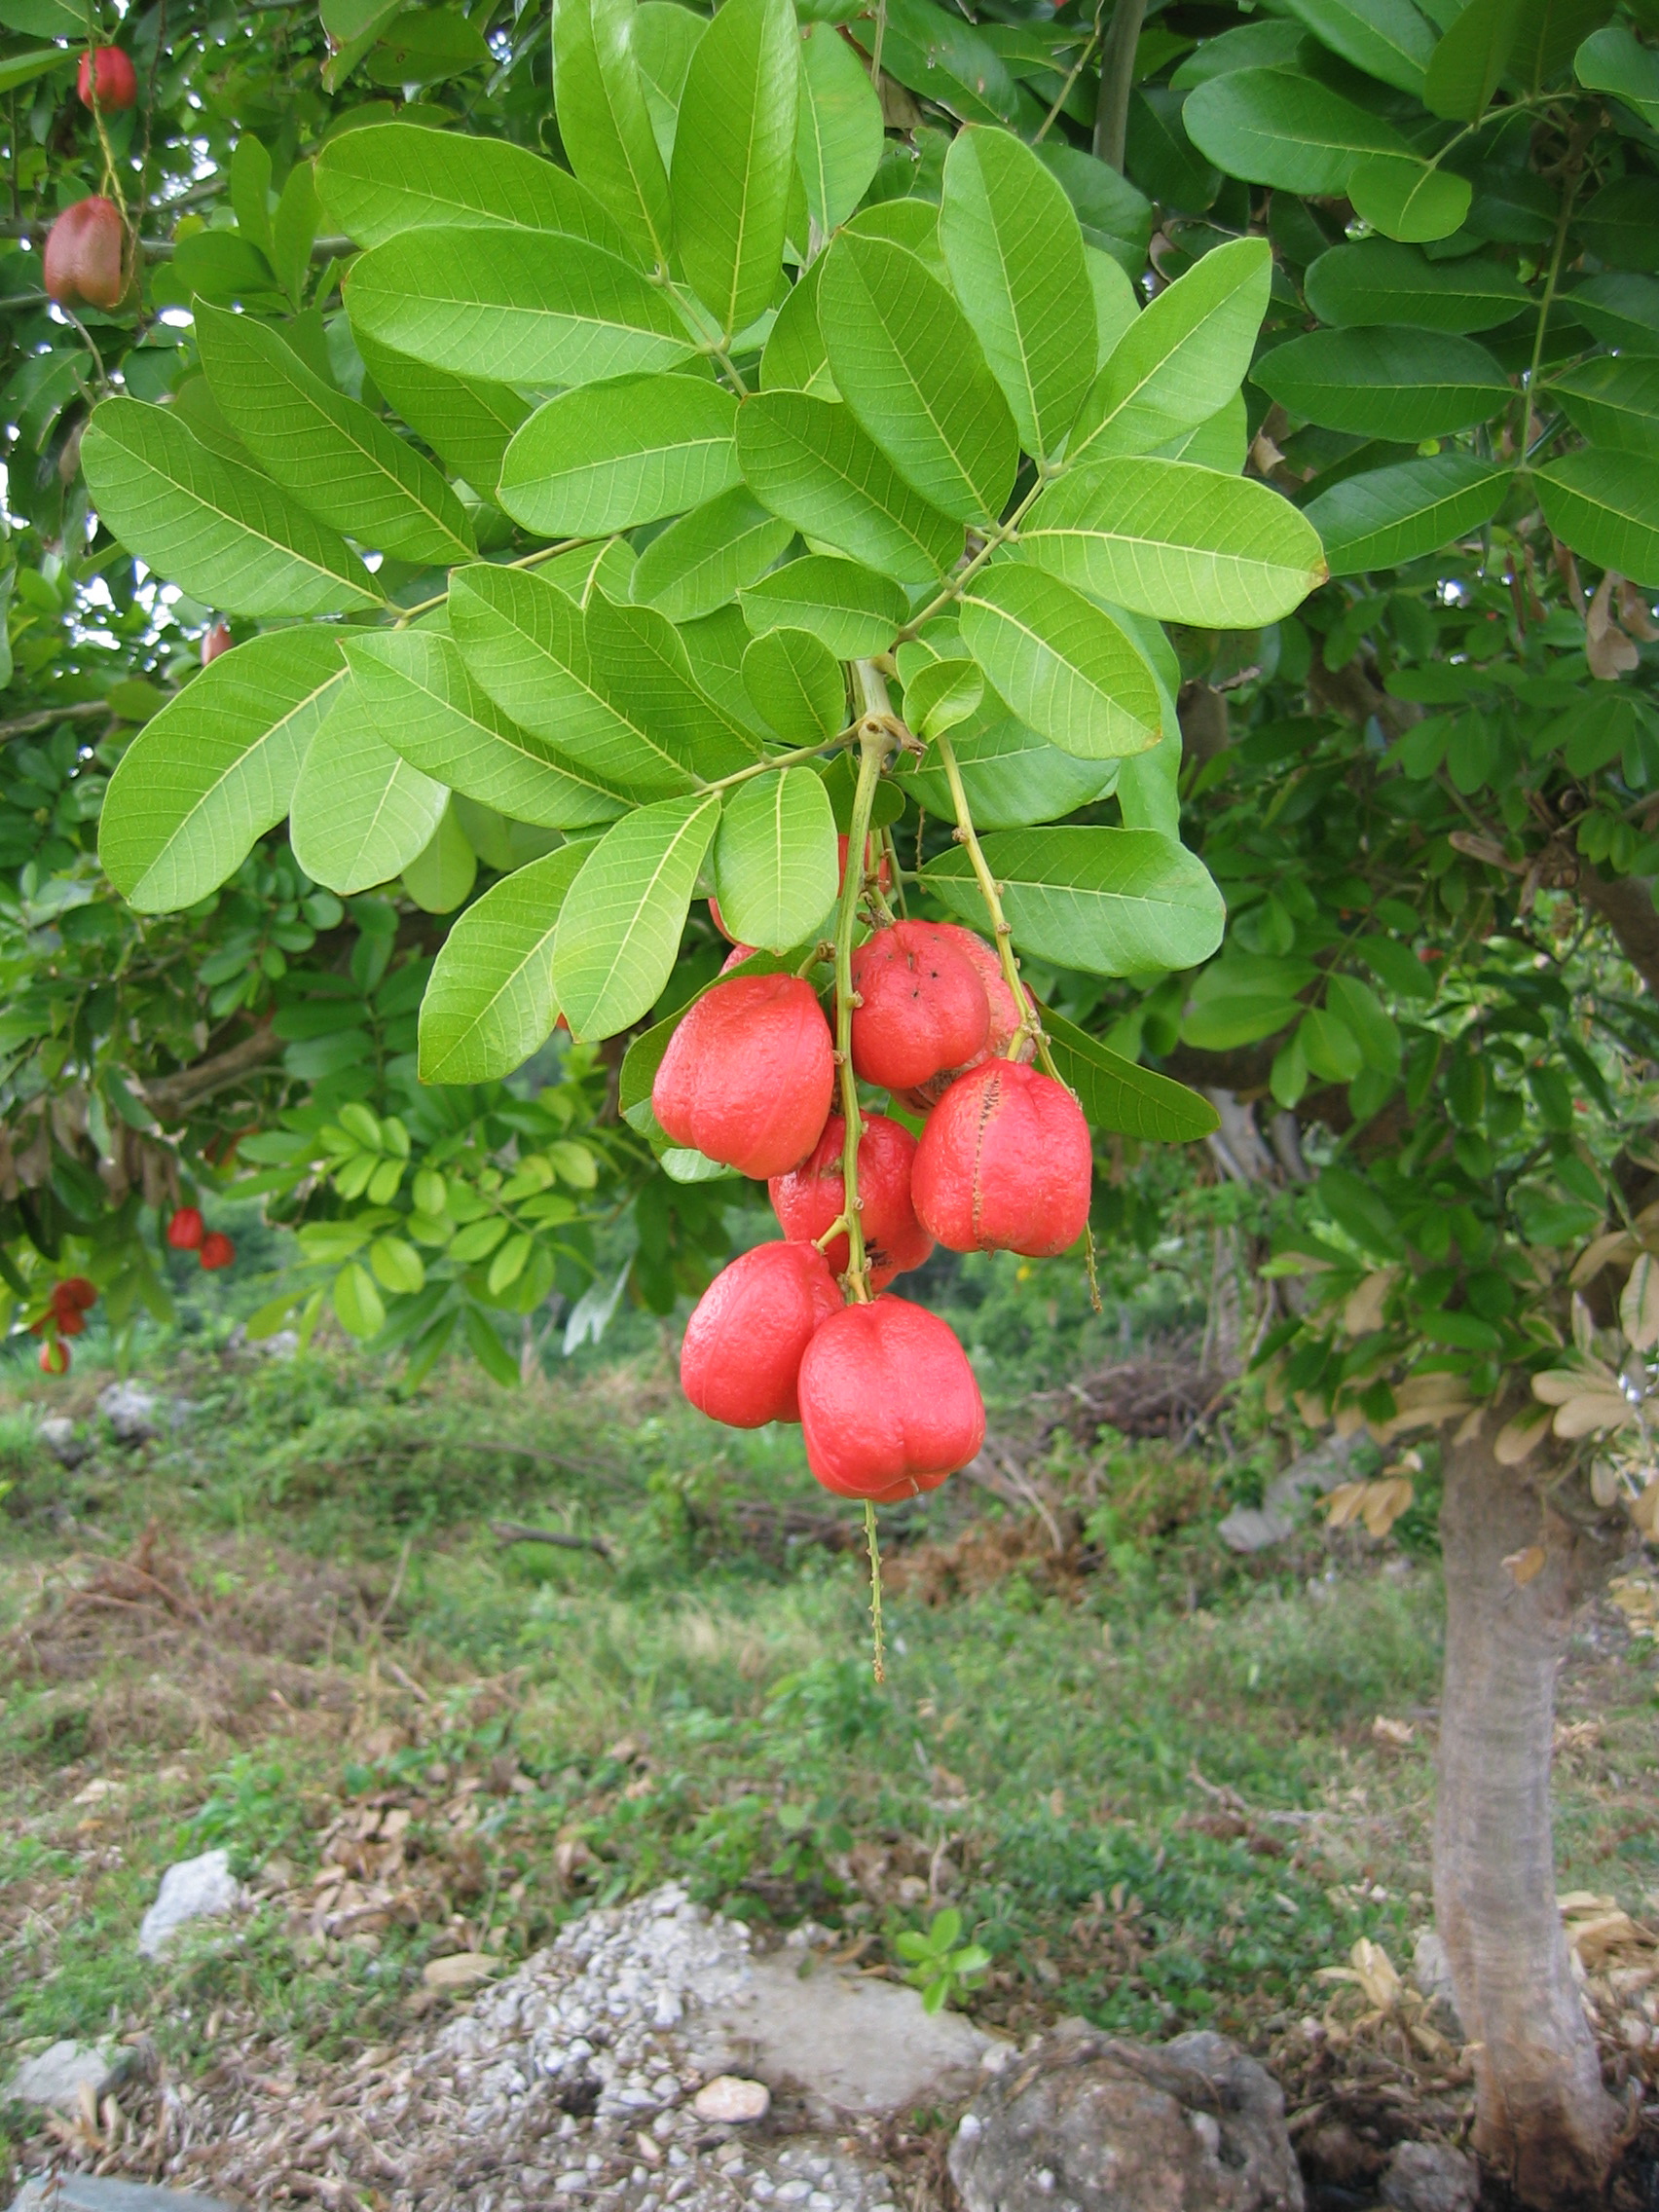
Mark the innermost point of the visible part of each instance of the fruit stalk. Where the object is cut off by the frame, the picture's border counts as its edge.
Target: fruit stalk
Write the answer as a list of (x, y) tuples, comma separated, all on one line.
[(875, 738), (878, 1661), (990, 890)]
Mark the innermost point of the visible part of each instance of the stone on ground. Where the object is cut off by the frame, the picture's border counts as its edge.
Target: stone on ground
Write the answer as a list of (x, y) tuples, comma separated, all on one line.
[(729, 2097), (56, 2078), (1096, 2125), (191, 1889), (1430, 2177), (94, 2193), (130, 1411)]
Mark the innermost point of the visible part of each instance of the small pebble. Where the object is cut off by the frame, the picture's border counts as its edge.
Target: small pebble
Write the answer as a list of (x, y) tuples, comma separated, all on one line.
[(729, 2097)]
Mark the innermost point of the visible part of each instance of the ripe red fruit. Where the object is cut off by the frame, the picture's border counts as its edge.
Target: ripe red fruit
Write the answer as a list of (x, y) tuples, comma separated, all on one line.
[(718, 920), (809, 1199), (71, 1321), (217, 641), (83, 264), (74, 1294), (922, 1099), (218, 1250), (743, 1341), (106, 79), (186, 1229), (735, 958), (884, 867), (54, 1359), (888, 1402), (924, 1006), (747, 1075), (1004, 1163)]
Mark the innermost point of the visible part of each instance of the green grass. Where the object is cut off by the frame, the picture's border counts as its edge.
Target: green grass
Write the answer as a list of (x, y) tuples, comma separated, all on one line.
[(1064, 1756)]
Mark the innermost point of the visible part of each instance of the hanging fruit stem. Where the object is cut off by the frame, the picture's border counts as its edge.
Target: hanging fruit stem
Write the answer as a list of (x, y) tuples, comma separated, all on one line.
[(991, 892), (878, 1663)]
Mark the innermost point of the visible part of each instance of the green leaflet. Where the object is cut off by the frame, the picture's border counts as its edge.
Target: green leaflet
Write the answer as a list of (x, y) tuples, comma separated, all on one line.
[(776, 871), (1266, 44), (1116, 1094), (1408, 199), (416, 691), (1110, 902), (1399, 384), (838, 135), (1060, 662), (810, 462), (489, 1004), (1389, 515), (440, 878), (609, 456), (665, 36), (465, 421), (1274, 127), (1385, 38), (1614, 60), (644, 668), (1012, 777), (619, 929), (1606, 505), (1016, 262), (360, 813), (216, 769), (1470, 58), (1220, 441), (399, 176), (847, 607), (705, 559), (906, 362), (526, 643), (225, 533), (605, 124), (734, 157), (1182, 358), (1614, 401), (1379, 281), (795, 359), (1621, 310), (515, 306), (1176, 541), (336, 459), (795, 683)]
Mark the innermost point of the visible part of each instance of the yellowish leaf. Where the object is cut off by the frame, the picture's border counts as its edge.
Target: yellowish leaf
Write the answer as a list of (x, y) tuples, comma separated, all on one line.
[(1384, 1503), (1638, 1304), (1363, 1311), (1594, 1413), (1524, 1566), (1342, 1505), (1615, 1244), (1520, 1436)]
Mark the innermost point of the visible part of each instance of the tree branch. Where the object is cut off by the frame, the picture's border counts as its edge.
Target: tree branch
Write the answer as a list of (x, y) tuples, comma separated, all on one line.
[(1117, 75), (1625, 902), (170, 1096), (78, 711)]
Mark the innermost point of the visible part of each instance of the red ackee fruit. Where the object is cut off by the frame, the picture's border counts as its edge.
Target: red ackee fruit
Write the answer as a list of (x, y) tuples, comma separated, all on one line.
[(924, 1006), (744, 1342), (71, 1321), (74, 1294), (883, 871), (218, 1250), (54, 1359), (810, 1198), (186, 1229), (217, 641), (106, 79), (921, 1098), (735, 958), (1004, 1163), (85, 252), (888, 1402), (747, 1075)]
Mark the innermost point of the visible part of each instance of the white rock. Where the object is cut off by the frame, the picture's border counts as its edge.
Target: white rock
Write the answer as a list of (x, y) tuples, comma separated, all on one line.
[(54, 2080), (57, 1434), (193, 1889), (129, 1412), (729, 2097)]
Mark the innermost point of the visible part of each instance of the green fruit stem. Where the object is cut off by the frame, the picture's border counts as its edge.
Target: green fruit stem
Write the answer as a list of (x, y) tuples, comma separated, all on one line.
[(875, 739), (991, 892)]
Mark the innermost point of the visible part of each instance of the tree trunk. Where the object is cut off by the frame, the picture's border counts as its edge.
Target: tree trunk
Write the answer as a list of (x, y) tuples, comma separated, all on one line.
[(1544, 2123)]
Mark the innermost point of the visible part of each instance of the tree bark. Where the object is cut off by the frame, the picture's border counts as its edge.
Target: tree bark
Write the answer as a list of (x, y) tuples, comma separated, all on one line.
[(1545, 2126), (1625, 902), (1116, 77)]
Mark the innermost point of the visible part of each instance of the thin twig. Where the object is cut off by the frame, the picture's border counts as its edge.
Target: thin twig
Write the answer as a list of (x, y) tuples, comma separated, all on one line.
[(519, 1533)]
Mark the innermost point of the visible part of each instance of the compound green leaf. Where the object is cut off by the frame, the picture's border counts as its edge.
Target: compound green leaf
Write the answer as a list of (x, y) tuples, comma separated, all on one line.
[(847, 607), (1614, 399), (1399, 385), (400, 176), (810, 462), (1109, 902), (1182, 358), (734, 157), (489, 1001), (907, 364), (705, 559), (361, 812), (619, 929), (1016, 261), (609, 456), (1279, 128), (1606, 505), (797, 685), (337, 458), (514, 307), (605, 124), (838, 135), (1062, 663), (1173, 541), (1385, 38), (1389, 515), (1378, 281), (216, 769), (225, 533), (419, 696), (776, 871)]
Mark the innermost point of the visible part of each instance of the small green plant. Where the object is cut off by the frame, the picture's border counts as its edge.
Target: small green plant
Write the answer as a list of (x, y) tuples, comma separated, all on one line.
[(938, 1963)]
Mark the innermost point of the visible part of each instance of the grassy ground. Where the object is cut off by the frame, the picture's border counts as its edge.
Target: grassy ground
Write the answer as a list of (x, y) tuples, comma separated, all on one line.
[(1151, 1777)]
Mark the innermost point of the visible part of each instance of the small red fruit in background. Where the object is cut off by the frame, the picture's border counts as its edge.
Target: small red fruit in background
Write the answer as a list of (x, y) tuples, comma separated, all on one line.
[(735, 958), (106, 79), (924, 1006), (83, 264), (716, 917), (745, 1340), (884, 867), (54, 1359), (186, 1229), (217, 641), (1005, 1163), (74, 1294), (218, 1250), (888, 1402), (71, 1322), (809, 1199), (747, 1075)]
